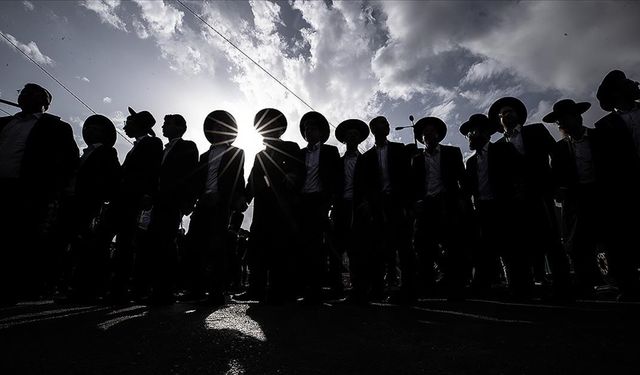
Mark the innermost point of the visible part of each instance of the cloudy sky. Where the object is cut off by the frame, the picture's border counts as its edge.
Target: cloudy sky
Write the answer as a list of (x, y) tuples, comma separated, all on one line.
[(355, 59)]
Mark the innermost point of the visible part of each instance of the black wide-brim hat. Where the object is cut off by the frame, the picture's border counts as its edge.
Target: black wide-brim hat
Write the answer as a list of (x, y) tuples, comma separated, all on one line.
[(507, 101), (479, 121), (220, 126), (610, 84), (106, 131), (566, 106), (270, 123), (441, 128), (144, 118), (319, 120), (355, 124)]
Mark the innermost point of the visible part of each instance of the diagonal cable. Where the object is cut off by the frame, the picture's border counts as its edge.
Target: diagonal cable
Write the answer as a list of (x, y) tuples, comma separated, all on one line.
[(56, 80), (246, 55)]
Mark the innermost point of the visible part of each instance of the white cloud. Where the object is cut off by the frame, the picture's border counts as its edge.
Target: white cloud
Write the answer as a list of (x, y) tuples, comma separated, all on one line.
[(140, 29), (30, 49), (106, 10), (161, 18), (106, 100), (443, 111), (28, 5), (84, 79), (483, 71)]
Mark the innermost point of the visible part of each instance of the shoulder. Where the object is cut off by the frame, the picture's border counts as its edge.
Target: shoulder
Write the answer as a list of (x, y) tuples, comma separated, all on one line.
[(332, 150), (54, 121), (449, 148), (236, 150), (5, 120), (395, 146), (537, 128)]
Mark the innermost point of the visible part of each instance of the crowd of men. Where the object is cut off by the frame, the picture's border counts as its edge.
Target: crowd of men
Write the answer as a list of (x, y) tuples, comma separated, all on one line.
[(398, 212)]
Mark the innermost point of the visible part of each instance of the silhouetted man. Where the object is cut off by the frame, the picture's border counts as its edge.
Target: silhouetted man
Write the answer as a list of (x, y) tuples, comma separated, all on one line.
[(94, 188), (349, 229), (437, 179), (621, 178), (274, 184), (488, 181), (139, 184), (37, 158), (318, 192), (179, 161), (385, 193), (535, 231), (576, 166), (220, 189)]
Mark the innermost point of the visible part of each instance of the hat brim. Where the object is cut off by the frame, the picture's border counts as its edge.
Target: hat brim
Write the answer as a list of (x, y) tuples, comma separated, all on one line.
[(352, 124), (481, 122), (418, 128), (507, 101), (580, 108)]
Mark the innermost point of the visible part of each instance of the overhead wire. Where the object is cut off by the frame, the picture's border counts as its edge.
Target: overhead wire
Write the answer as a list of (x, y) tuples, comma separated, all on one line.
[(247, 56), (57, 81)]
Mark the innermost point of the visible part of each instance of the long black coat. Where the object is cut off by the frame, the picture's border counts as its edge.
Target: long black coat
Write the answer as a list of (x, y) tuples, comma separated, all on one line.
[(369, 181), (141, 170), (175, 171), (451, 169), (328, 170), (50, 157), (534, 165), (231, 183), (97, 181), (502, 164), (274, 183)]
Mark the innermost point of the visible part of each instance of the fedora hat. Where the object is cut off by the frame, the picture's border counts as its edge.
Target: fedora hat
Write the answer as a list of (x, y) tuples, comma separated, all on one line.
[(507, 101), (440, 126), (478, 121), (319, 120), (270, 123), (352, 124), (566, 106), (220, 127), (143, 119)]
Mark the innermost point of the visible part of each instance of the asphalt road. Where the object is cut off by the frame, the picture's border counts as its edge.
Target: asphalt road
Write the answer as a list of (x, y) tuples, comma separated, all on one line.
[(435, 337)]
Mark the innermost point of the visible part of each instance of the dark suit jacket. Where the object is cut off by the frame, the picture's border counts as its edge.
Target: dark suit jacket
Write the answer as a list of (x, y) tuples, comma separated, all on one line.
[(357, 172), (501, 167), (451, 170), (275, 182), (563, 163), (141, 170), (97, 179), (328, 169), (534, 165), (621, 176), (50, 157), (369, 182), (175, 172), (231, 183)]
